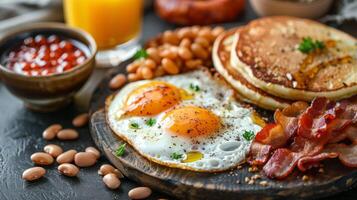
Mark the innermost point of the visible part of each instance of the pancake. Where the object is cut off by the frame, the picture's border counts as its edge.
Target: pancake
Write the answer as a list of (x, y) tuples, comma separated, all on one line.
[(266, 54), (246, 91)]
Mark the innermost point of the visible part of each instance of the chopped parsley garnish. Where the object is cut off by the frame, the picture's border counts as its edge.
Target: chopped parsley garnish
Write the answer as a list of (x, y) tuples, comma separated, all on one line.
[(248, 135), (134, 125), (120, 151), (194, 88), (151, 122), (307, 45), (141, 53), (176, 156)]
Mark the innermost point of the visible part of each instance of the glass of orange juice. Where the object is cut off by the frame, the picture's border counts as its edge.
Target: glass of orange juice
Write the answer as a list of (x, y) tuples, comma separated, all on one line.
[(114, 24)]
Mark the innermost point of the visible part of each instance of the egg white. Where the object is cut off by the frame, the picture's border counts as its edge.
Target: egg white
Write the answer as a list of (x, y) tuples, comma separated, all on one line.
[(223, 150)]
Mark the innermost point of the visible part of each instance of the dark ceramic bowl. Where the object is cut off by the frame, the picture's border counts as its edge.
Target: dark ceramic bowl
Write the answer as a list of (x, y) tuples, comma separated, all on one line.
[(50, 92)]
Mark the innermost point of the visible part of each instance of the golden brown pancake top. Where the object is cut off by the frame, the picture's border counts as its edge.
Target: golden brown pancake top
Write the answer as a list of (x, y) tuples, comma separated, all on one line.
[(269, 47), (224, 55)]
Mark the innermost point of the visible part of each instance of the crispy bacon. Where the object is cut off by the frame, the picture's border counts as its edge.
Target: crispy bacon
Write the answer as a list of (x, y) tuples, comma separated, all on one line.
[(349, 133), (308, 162), (346, 153), (273, 135), (259, 153), (304, 136), (313, 118), (283, 160), (289, 124), (325, 117), (281, 163)]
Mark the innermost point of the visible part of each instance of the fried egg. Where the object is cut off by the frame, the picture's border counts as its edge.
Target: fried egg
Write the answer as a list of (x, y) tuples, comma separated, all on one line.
[(188, 121)]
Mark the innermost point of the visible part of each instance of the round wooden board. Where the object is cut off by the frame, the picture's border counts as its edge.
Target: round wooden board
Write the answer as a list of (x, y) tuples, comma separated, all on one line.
[(225, 185)]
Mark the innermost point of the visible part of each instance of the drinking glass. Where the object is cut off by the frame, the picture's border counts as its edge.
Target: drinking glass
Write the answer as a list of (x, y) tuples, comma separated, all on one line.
[(114, 24)]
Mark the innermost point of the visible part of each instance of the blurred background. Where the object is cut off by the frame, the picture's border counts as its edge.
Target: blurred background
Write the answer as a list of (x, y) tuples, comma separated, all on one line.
[(16, 12)]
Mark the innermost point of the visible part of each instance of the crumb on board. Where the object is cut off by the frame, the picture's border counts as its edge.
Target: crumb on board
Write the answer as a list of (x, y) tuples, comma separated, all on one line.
[(263, 183), (305, 178)]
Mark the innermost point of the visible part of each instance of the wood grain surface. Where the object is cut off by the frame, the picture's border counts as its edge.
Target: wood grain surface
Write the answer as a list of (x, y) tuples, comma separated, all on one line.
[(226, 185)]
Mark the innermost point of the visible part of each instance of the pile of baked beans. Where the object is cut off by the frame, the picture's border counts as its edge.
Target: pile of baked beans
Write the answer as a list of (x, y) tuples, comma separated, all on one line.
[(175, 51), (172, 52)]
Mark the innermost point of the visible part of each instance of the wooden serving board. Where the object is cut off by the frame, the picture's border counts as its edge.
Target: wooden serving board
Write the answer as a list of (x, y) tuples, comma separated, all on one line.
[(225, 185)]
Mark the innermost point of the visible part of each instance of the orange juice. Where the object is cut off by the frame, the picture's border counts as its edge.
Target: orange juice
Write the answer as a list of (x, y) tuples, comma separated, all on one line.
[(110, 22)]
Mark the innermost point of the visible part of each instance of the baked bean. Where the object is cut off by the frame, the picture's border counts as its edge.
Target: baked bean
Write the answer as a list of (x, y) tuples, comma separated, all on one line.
[(147, 73), (168, 53), (139, 193), (94, 151), (202, 41), (81, 120), (51, 132), (170, 37), (216, 31), (206, 33), (179, 63), (152, 43), (195, 30), (159, 71), (185, 53), (132, 67), (169, 66), (53, 150), (106, 169), (41, 158), (139, 71), (185, 33), (199, 51), (193, 64), (133, 77), (67, 134), (111, 181), (117, 81), (154, 54), (68, 169), (33, 173), (85, 159), (66, 157), (185, 43), (150, 63)]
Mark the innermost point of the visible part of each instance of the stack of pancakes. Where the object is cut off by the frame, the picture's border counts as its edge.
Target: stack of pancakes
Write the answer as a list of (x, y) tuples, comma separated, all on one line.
[(263, 63)]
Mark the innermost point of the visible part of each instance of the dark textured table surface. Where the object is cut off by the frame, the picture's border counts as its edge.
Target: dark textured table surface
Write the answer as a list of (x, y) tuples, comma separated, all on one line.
[(20, 136)]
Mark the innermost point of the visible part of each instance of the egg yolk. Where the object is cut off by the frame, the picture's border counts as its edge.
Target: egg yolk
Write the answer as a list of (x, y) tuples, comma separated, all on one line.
[(193, 156), (191, 122), (151, 99), (257, 119)]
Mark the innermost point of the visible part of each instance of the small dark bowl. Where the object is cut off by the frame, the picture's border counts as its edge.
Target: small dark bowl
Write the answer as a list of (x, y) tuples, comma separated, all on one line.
[(50, 92)]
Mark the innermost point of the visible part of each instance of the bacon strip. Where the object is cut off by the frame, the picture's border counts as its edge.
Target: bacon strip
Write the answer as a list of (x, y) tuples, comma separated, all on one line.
[(289, 124), (311, 119), (346, 153), (349, 133), (281, 163), (283, 160), (273, 135), (259, 153), (308, 162), (302, 136)]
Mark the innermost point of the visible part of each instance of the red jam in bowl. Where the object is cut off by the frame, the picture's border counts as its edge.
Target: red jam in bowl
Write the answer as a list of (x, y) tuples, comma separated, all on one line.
[(45, 55)]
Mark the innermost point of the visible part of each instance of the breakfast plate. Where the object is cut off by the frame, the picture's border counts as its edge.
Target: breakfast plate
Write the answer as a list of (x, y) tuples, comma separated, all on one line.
[(229, 184), (186, 134)]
